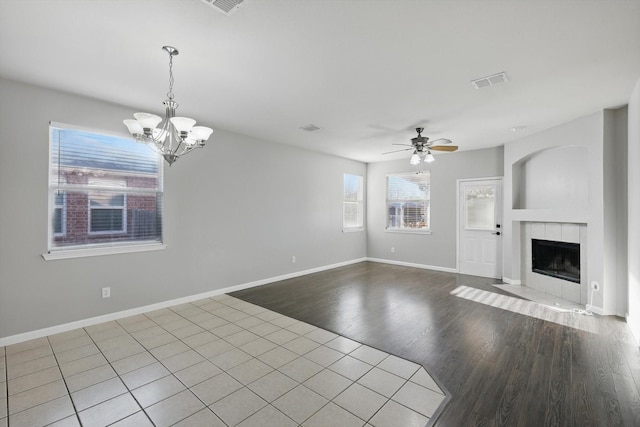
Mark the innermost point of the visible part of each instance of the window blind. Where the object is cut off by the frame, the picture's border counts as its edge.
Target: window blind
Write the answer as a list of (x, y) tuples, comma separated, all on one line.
[(104, 190)]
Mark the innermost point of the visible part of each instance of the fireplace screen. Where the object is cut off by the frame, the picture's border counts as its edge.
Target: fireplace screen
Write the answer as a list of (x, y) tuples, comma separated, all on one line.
[(556, 259)]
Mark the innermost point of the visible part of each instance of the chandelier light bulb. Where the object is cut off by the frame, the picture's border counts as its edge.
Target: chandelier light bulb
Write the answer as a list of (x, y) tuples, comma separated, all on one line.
[(182, 124), (201, 133), (147, 121), (134, 126)]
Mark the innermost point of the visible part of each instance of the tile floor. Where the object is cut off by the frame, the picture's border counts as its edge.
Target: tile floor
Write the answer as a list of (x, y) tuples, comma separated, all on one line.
[(214, 362)]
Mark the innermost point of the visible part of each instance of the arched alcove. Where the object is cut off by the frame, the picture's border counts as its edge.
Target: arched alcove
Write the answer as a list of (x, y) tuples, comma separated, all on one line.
[(553, 178)]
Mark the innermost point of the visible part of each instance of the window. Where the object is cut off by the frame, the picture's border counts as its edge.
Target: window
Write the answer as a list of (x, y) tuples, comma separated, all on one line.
[(107, 213), (105, 191), (353, 204), (408, 202), (59, 213)]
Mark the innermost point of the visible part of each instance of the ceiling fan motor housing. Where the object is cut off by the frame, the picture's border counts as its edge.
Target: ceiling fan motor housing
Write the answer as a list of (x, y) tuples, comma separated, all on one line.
[(419, 141)]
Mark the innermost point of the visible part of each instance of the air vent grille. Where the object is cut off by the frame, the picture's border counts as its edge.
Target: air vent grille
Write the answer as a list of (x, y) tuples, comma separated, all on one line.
[(309, 128), (492, 80), (225, 6)]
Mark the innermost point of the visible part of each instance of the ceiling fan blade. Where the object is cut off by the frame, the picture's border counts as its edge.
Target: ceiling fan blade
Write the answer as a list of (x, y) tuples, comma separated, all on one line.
[(443, 148), (406, 145), (441, 141), (397, 151)]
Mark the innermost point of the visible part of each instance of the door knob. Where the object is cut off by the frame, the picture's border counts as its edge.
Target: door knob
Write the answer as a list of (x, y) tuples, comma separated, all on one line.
[(497, 233)]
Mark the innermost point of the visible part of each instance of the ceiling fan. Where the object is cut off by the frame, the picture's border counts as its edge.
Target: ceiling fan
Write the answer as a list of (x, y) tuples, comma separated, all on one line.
[(422, 147)]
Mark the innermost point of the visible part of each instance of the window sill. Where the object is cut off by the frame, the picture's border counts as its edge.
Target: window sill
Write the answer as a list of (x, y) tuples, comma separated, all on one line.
[(87, 252), (406, 231), (352, 229)]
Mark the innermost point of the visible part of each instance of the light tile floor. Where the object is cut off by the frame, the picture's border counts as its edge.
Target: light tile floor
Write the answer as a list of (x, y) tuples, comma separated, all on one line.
[(215, 362)]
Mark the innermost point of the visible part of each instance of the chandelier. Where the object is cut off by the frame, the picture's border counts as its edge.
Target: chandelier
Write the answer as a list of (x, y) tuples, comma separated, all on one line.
[(175, 137)]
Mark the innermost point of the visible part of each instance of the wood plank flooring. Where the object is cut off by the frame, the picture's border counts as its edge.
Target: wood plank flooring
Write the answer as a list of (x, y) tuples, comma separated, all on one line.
[(501, 367)]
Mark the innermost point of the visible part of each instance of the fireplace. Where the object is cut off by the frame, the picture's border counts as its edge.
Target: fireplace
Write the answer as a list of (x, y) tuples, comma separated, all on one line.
[(556, 259)]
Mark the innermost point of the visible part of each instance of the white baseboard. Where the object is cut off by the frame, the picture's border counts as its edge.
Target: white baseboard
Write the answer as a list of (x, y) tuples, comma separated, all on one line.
[(411, 264), (39, 333), (511, 281)]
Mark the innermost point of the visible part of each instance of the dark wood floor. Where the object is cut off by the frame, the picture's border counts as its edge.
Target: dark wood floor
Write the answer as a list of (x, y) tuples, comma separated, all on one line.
[(500, 367)]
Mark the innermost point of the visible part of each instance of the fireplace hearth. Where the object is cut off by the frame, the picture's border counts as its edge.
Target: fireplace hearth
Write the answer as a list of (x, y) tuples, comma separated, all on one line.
[(556, 259)]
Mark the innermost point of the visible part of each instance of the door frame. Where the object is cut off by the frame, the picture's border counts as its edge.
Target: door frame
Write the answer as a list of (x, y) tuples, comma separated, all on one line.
[(458, 219)]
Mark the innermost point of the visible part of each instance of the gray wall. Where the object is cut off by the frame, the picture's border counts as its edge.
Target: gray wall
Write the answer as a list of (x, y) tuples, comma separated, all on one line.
[(633, 202), (437, 249), (615, 209), (603, 136), (235, 212)]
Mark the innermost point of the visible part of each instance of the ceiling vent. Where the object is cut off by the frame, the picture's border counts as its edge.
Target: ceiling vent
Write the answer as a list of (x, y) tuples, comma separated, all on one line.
[(225, 6), (492, 80), (309, 128)]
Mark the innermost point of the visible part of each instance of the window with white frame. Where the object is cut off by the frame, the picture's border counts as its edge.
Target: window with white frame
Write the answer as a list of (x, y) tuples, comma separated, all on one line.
[(408, 202), (353, 203), (107, 210), (59, 213), (107, 213), (104, 191)]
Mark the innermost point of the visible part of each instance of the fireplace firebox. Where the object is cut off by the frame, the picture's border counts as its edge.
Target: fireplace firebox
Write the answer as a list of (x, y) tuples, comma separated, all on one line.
[(556, 259)]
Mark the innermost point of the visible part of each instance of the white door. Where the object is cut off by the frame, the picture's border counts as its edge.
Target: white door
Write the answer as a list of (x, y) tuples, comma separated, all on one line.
[(479, 227)]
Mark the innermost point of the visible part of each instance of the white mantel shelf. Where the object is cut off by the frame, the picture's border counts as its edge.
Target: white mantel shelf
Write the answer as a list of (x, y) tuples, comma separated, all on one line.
[(549, 215)]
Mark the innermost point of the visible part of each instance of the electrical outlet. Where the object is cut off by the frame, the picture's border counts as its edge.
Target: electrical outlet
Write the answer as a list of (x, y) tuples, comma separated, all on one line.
[(293, 260), (106, 292), (393, 250), (595, 286)]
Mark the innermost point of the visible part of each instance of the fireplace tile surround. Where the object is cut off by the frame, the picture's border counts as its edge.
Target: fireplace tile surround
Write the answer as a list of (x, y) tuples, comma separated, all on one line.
[(561, 232)]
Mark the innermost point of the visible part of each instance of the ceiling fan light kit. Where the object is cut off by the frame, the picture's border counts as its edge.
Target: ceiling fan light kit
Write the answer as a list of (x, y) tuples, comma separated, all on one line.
[(175, 137), (422, 148), (429, 157), (415, 159), (423, 156)]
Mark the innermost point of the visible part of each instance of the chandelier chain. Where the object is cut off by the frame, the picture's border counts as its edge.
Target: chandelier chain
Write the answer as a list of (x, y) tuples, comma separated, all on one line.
[(170, 93)]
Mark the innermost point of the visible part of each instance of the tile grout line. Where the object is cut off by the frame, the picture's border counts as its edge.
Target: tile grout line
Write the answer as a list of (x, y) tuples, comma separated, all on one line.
[(253, 357), (368, 421), (118, 375), (387, 399), (64, 380), (302, 383), (205, 358), (147, 350), (160, 361), (278, 369), (24, 391), (172, 312), (163, 365), (225, 371)]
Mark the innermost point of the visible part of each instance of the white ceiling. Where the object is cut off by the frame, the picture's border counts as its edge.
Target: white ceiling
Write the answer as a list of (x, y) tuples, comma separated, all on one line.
[(365, 71)]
